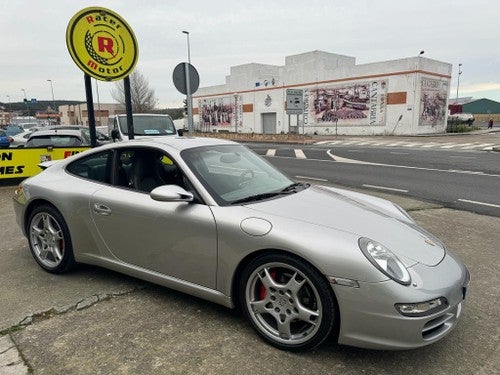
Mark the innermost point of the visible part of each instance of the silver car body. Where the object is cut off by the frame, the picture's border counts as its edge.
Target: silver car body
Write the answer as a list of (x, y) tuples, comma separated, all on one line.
[(200, 248)]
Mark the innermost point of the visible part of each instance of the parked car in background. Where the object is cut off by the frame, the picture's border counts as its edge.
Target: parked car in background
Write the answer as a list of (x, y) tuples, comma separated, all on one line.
[(19, 140), (12, 130), (62, 136), (58, 138), (29, 125), (145, 125), (5, 139)]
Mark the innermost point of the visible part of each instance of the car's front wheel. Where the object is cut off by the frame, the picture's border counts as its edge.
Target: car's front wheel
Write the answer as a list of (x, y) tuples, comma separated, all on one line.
[(288, 302), (49, 239)]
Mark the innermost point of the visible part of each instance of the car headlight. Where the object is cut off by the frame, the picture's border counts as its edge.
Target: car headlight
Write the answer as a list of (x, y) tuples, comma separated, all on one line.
[(384, 260)]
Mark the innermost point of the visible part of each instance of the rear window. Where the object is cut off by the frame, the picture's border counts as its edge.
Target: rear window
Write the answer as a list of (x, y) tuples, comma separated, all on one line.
[(3, 133), (54, 141)]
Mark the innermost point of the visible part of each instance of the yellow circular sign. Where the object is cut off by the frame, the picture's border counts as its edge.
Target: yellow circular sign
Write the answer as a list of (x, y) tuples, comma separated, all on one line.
[(102, 44)]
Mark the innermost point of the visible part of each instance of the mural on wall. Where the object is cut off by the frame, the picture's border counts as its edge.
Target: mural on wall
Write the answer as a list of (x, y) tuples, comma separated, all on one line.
[(433, 96), (356, 104), (223, 111)]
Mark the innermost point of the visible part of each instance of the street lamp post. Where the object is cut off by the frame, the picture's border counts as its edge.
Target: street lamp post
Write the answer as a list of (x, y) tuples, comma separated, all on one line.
[(53, 100), (458, 83), (188, 86), (26, 102)]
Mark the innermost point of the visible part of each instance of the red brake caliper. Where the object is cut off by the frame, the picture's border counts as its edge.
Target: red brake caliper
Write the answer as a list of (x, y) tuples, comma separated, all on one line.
[(262, 292)]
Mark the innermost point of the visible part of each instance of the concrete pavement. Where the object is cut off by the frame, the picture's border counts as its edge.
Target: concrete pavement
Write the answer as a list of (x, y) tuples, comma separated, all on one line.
[(95, 321)]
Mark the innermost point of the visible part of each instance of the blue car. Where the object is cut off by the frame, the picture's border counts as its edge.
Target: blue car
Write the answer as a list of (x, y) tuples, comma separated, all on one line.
[(4, 139), (13, 130)]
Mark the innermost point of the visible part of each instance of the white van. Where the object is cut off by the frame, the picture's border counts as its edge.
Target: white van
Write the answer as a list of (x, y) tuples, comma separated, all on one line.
[(145, 125)]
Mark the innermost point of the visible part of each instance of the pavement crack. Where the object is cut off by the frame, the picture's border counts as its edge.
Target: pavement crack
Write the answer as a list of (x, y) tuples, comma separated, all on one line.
[(82, 304)]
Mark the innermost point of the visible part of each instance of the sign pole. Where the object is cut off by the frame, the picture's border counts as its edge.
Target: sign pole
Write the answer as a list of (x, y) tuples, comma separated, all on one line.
[(90, 110), (189, 99), (128, 107)]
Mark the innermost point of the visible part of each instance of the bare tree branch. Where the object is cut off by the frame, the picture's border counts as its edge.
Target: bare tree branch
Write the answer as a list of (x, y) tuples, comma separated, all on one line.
[(143, 98)]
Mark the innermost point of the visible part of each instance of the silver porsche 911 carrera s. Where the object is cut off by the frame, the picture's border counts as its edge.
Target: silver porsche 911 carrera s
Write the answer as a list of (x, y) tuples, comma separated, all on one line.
[(211, 218)]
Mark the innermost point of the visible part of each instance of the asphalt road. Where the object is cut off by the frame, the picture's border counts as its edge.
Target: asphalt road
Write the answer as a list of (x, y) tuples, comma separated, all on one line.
[(461, 179), (94, 321)]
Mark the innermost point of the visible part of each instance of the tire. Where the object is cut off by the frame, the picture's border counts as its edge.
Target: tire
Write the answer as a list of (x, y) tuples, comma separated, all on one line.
[(288, 302), (49, 240)]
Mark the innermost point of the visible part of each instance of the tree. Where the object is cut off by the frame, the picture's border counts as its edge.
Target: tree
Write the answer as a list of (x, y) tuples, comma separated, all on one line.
[(143, 98)]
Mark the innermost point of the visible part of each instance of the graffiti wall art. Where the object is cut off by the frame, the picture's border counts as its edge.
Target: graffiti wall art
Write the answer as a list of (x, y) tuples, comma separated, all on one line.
[(433, 97), (356, 104)]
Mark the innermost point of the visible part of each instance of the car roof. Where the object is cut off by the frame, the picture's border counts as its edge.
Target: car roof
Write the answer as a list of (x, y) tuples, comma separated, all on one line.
[(176, 142), (65, 132)]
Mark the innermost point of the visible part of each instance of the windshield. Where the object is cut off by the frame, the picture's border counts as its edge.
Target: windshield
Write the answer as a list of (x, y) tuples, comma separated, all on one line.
[(233, 173), (149, 125)]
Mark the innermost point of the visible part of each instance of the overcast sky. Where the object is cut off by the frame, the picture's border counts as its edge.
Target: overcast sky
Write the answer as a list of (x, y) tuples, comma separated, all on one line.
[(228, 33)]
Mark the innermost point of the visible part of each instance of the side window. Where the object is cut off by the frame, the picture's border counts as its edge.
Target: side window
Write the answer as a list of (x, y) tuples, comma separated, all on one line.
[(94, 167), (144, 169)]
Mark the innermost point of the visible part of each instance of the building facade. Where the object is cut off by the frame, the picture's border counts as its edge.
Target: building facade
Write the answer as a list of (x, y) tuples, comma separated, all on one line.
[(77, 114), (335, 96)]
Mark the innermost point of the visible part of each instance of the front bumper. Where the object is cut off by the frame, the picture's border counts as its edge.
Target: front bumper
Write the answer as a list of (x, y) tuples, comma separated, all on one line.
[(368, 318)]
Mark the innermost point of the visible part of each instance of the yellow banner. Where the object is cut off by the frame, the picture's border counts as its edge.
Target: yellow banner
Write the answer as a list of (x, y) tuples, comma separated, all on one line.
[(23, 162)]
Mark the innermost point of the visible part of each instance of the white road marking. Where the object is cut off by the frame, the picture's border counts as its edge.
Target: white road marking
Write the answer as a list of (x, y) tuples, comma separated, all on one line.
[(480, 203), (394, 144), (356, 151), (271, 152), (412, 144), (340, 159), (385, 188), (312, 178), (299, 154)]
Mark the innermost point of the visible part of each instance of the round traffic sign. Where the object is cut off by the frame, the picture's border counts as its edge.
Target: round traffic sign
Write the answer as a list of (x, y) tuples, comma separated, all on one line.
[(102, 44), (179, 78)]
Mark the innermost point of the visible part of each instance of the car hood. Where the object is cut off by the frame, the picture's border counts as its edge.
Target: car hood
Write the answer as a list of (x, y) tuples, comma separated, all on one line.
[(337, 209)]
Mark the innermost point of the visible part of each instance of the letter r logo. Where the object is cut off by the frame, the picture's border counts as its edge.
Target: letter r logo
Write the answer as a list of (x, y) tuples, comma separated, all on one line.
[(105, 44)]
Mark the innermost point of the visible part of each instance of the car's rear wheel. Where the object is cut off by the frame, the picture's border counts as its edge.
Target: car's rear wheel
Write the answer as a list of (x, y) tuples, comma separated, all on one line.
[(49, 239), (288, 302)]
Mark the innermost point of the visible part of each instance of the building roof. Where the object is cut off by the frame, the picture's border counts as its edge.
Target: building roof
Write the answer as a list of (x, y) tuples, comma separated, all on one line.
[(481, 106)]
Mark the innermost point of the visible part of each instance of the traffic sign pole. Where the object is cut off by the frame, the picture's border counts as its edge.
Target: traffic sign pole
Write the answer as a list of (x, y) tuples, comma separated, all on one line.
[(189, 99)]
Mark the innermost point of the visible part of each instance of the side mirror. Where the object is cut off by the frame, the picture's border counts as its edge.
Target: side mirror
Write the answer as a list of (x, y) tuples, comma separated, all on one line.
[(171, 193), (115, 135)]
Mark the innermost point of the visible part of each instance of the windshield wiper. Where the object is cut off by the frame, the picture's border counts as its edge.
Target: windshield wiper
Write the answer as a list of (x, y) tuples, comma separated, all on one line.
[(293, 188), (287, 190), (256, 197)]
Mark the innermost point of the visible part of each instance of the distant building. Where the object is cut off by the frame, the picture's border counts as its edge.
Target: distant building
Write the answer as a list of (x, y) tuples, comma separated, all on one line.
[(405, 96), (5, 117), (77, 114), (483, 109)]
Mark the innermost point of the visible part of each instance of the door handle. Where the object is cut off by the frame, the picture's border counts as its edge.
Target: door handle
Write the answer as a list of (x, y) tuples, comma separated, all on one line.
[(102, 209)]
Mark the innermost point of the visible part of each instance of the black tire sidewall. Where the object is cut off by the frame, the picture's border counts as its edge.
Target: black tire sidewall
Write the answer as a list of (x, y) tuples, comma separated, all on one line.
[(68, 260), (322, 286)]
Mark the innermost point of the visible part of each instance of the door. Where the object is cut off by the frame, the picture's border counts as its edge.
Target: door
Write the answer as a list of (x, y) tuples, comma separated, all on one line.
[(173, 238), (269, 123)]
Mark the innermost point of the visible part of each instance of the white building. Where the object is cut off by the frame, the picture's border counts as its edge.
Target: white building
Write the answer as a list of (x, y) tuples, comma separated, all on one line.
[(405, 96)]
